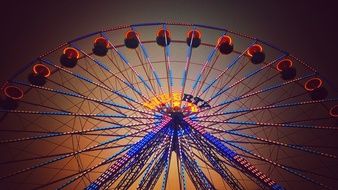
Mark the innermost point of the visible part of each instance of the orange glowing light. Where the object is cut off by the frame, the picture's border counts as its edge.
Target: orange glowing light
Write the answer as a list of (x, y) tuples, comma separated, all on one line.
[(163, 33), (192, 107), (284, 64), (131, 34), (164, 99), (41, 69), (197, 34), (254, 48), (71, 53), (224, 39), (13, 92), (334, 111), (313, 84), (176, 103), (101, 40)]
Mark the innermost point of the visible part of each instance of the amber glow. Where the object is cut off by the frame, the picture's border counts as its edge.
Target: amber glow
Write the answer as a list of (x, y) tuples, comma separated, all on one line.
[(334, 111), (253, 49), (283, 64), (101, 40), (197, 34), (131, 34), (164, 99), (192, 107), (13, 92), (163, 32), (224, 39), (71, 52), (41, 69), (313, 84)]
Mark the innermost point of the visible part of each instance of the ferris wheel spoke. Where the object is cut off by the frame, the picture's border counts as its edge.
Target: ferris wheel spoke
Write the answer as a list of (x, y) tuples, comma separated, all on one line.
[(169, 72), (102, 163), (151, 65), (197, 146), (275, 106), (99, 119), (148, 74), (167, 163), (196, 174), (128, 78), (153, 172), (150, 177), (122, 92), (215, 163), (208, 60), (146, 56), (259, 178), (135, 164), (221, 167), (227, 79), (277, 143), (85, 132), (204, 160), (124, 97), (61, 113), (80, 173), (71, 154), (115, 125), (124, 60), (223, 89), (199, 180), (211, 67), (252, 89), (267, 124), (72, 94), (225, 103), (230, 66), (268, 110), (57, 107), (51, 182), (58, 112), (57, 155), (61, 144), (107, 69), (77, 132), (284, 167), (113, 170), (134, 172), (180, 163), (187, 63)]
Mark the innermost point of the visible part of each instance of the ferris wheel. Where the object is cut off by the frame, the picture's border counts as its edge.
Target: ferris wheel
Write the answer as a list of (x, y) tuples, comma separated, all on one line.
[(168, 106)]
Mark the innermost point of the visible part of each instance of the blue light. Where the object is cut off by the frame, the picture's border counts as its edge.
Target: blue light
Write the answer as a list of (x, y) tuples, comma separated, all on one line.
[(277, 187), (136, 148), (198, 78), (219, 145), (92, 186)]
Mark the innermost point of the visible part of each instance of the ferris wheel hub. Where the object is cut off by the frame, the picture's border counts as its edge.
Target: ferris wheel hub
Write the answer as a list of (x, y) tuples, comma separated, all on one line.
[(177, 117)]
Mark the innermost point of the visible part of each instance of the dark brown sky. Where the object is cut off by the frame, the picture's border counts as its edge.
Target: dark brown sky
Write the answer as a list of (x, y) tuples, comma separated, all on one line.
[(307, 29)]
